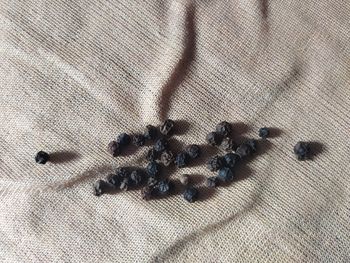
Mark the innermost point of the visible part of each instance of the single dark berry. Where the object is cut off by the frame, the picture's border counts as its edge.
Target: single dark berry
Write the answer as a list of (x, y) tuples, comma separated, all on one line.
[(215, 163), (163, 187), (167, 157), (193, 151), (302, 150), (136, 177), (161, 145), (252, 144), (227, 145), (100, 187), (122, 172), (244, 150), (167, 128), (114, 180), (152, 155), (153, 169), (150, 133), (147, 192), (42, 157), (138, 140), (225, 174), (123, 139), (214, 139), (152, 181), (114, 148), (125, 184), (191, 194), (212, 182), (224, 128), (264, 132), (231, 160), (184, 179), (181, 159)]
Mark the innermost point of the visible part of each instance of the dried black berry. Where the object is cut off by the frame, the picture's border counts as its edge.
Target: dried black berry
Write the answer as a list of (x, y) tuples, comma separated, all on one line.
[(125, 184), (147, 192), (123, 139), (191, 194), (193, 151), (138, 140), (231, 160), (163, 187), (264, 132), (101, 187), (136, 177), (215, 163), (244, 150), (212, 182), (224, 128), (42, 157), (227, 144), (152, 155), (152, 181), (184, 179), (150, 133), (225, 174), (181, 159), (114, 148), (153, 169), (214, 139), (167, 158), (302, 150), (252, 144), (161, 145), (122, 172), (114, 180), (167, 128)]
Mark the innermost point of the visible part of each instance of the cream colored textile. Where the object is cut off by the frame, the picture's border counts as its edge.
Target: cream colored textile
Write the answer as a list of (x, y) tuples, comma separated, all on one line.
[(76, 73)]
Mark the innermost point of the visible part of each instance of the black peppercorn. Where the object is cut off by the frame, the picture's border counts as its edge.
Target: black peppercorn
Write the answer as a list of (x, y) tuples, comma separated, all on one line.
[(215, 163), (163, 187), (252, 144), (225, 174), (150, 133), (264, 132), (302, 150), (167, 128), (212, 182), (125, 184), (167, 158), (191, 194), (122, 172), (214, 139), (101, 187), (224, 128), (114, 148), (244, 150), (161, 145), (181, 159), (153, 169), (193, 151), (152, 181), (147, 192), (136, 177), (227, 144), (152, 155), (42, 157), (138, 140), (123, 139), (231, 160)]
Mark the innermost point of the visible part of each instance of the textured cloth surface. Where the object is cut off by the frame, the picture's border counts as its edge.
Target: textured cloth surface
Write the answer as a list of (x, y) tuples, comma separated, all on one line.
[(74, 74)]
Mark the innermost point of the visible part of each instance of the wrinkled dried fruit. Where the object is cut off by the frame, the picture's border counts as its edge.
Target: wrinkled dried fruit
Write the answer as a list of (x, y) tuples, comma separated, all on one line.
[(122, 172), (212, 182), (152, 181), (167, 158), (138, 140), (153, 169), (225, 174), (252, 144), (181, 159), (224, 128), (100, 187), (215, 163), (161, 145), (150, 133), (125, 184), (152, 155), (114, 180), (42, 157), (184, 179), (123, 139), (167, 128), (302, 150), (136, 177), (163, 187), (146, 192), (193, 151), (191, 194), (227, 145), (114, 148), (231, 160), (264, 132), (213, 139), (244, 150)]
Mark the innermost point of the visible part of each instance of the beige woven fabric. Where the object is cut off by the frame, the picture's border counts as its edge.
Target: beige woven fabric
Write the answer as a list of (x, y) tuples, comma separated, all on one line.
[(76, 73)]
